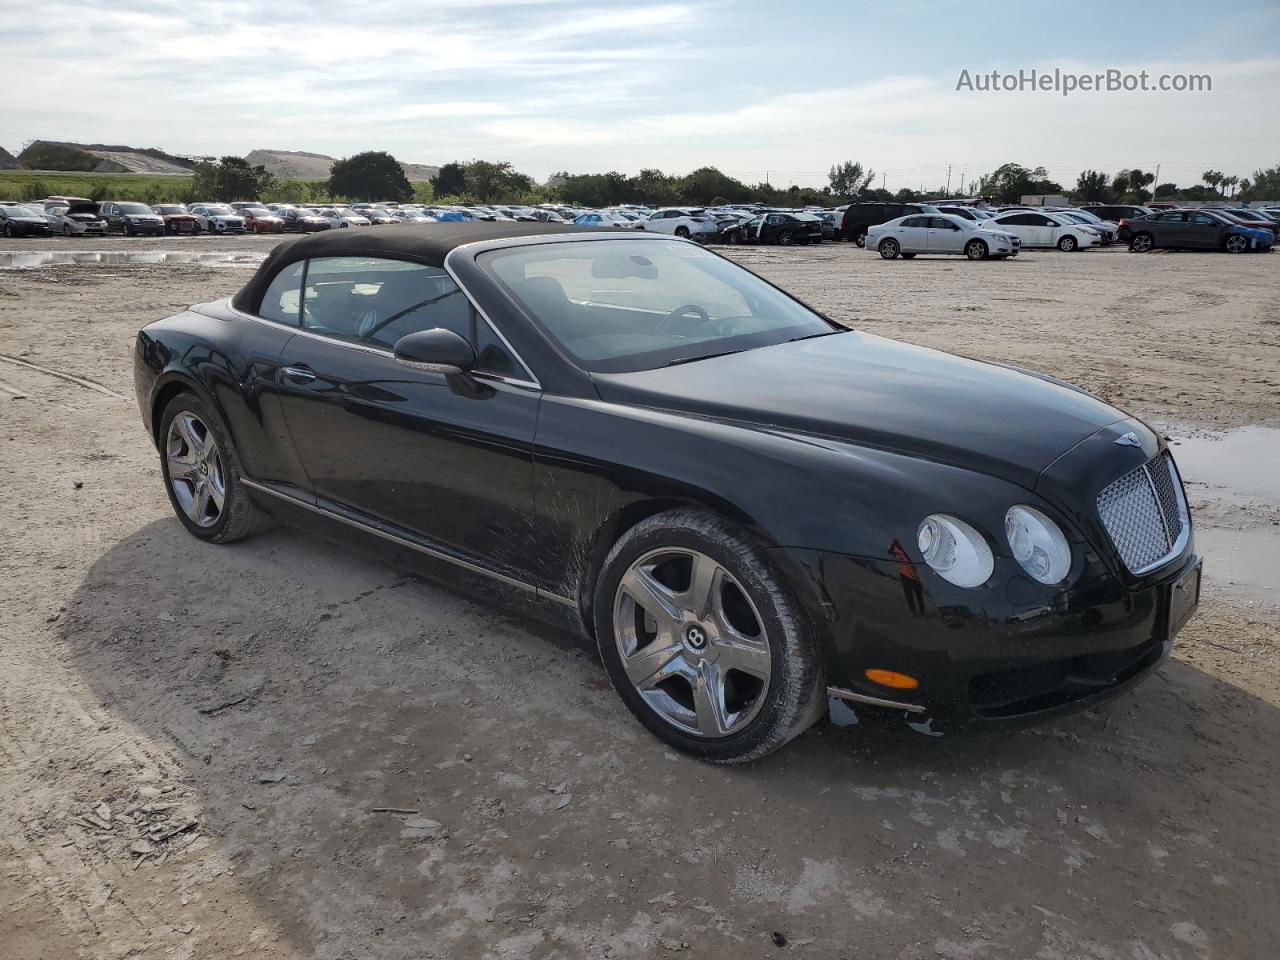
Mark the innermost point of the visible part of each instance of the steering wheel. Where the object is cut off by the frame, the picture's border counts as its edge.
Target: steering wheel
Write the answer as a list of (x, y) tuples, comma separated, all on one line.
[(686, 310)]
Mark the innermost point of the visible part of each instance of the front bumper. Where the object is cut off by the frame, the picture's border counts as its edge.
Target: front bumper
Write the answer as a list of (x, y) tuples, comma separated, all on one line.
[(31, 229), (999, 662)]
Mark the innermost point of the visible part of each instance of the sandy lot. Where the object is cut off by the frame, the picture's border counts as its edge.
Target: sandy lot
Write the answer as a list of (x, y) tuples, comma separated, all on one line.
[(259, 704)]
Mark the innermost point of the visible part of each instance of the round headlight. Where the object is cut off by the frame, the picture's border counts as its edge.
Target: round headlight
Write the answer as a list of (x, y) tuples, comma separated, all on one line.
[(956, 551), (1038, 544)]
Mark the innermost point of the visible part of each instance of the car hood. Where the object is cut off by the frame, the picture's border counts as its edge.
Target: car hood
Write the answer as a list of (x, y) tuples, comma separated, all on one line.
[(866, 390)]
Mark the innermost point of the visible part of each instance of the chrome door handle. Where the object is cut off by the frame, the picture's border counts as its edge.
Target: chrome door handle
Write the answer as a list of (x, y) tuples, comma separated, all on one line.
[(300, 374)]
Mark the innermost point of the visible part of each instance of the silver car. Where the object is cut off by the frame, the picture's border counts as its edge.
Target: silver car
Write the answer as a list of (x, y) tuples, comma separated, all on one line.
[(78, 218), (940, 233)]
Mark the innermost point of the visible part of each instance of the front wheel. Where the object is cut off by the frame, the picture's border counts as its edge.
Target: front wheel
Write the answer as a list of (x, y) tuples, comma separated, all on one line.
[(703, 641), (1141, 243), (1236, 244), (975, 250), (8, 231), (908, 256), (1067, 244), (202, 474), (889, 248), (66, 231)]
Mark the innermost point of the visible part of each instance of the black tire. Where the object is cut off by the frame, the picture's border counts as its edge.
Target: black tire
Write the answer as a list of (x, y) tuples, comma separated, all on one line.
[(1068, 244), (682, 232), (976, 250), (1141, 243), (1235, 244), (796, 693), (785, 238), (124, 230), (8, 231), (66, 231), (239, 517), (908, 256), (889, 248), (860, 238)]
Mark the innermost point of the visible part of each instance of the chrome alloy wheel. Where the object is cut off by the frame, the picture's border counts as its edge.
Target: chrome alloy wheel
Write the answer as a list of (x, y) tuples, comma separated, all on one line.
[(195, 469), (692, 642)]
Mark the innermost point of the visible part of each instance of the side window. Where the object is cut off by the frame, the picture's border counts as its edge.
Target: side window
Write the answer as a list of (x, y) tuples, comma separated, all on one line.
[(916, 222), (376, 302), (492, 355), (942, 223), (1201, 218), (283, 298)]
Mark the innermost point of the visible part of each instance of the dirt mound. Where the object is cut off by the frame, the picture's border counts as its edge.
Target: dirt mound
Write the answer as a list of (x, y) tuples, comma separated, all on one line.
[(419, 171), (8, 161), (115, 158), (296, 164)]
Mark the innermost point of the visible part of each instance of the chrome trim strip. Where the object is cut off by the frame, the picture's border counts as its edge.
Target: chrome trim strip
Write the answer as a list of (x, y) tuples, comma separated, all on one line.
[(401, 541), (844, 694)]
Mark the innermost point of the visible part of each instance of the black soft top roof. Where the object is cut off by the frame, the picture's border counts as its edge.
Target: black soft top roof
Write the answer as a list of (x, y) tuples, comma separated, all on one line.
[(427, 243)]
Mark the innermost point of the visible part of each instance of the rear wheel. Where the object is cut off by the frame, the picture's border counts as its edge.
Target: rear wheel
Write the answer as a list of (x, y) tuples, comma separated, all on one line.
[(1067, 244), (786, 238), (703, 641), (1236, 244), (889, 248), (860, 238), (976, 250), (202, 474), (682, 232), (1141, 243)]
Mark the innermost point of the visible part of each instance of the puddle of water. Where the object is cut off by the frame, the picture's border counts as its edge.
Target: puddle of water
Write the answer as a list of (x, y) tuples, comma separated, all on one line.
[(1242, 461), (24, 261), (1240, 467)]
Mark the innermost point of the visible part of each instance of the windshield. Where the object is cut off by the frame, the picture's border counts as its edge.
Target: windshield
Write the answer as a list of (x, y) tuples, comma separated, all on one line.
[(169, 208), (256, 211), (626, 305), (134, 208), (23, 212), (218, 210)]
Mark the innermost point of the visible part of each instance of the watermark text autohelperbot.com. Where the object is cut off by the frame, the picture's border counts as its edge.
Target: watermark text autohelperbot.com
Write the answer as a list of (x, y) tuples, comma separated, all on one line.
[(1066, 83)]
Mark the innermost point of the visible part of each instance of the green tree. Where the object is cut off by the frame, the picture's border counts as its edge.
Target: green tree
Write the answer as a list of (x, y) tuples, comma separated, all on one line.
[(1010, 182), (451, 181), (706, 183), (1213, 178), (849, 180), (1166, 191), (491, 182), (1091, 186), (372, 175), (1129, 186), (231, 178), (1263, 185)]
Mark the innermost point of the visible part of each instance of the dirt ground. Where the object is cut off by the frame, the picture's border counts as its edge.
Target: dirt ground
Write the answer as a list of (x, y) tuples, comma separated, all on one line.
[(254, 708)]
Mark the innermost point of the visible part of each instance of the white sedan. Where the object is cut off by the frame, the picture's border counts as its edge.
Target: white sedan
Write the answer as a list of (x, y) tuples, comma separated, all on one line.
[(943, 234), (340, 217), (682, 222), (1045, 230)]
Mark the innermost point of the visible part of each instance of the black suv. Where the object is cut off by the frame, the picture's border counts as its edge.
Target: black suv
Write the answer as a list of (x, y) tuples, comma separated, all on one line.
[(859, 216), (131, 218), (1117, 211)]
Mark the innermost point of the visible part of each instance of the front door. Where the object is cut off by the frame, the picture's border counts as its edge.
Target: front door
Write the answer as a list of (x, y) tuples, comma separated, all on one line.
[(447, 458), (945, 236)]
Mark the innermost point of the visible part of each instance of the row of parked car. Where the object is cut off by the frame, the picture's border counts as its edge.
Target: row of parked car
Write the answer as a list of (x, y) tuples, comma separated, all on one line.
[(890, 229), (896, 229)]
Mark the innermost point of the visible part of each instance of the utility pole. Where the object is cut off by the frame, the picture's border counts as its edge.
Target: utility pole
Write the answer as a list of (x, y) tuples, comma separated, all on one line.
[(948, 179), (884, 179), (962, 184), (1156, 182)]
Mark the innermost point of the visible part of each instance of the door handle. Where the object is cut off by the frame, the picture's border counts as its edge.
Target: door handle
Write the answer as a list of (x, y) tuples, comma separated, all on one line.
[(300, 373)]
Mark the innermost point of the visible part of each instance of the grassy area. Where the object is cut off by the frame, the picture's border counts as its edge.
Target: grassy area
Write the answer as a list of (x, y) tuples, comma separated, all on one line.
[(148, 188)]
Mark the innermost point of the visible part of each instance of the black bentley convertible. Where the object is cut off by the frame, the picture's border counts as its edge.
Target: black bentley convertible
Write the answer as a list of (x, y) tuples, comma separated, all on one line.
[(751, 508)]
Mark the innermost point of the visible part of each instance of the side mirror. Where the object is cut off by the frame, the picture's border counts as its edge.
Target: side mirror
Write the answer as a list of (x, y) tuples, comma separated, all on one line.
[(435, 351)]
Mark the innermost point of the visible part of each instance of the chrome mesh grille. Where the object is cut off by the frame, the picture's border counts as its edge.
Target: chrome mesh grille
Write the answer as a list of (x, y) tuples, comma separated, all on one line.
[(1143, 513)]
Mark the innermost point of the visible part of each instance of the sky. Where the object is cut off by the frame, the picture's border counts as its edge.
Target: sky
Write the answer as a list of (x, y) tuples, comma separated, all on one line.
[(776, 91)]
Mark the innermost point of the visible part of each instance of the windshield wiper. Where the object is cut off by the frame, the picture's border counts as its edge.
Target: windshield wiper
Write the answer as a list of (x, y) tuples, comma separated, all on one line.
[(701, 356), (814, 336)]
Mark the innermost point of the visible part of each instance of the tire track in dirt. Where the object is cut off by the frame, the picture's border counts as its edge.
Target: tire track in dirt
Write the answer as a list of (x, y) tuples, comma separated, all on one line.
[(82, 381)]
